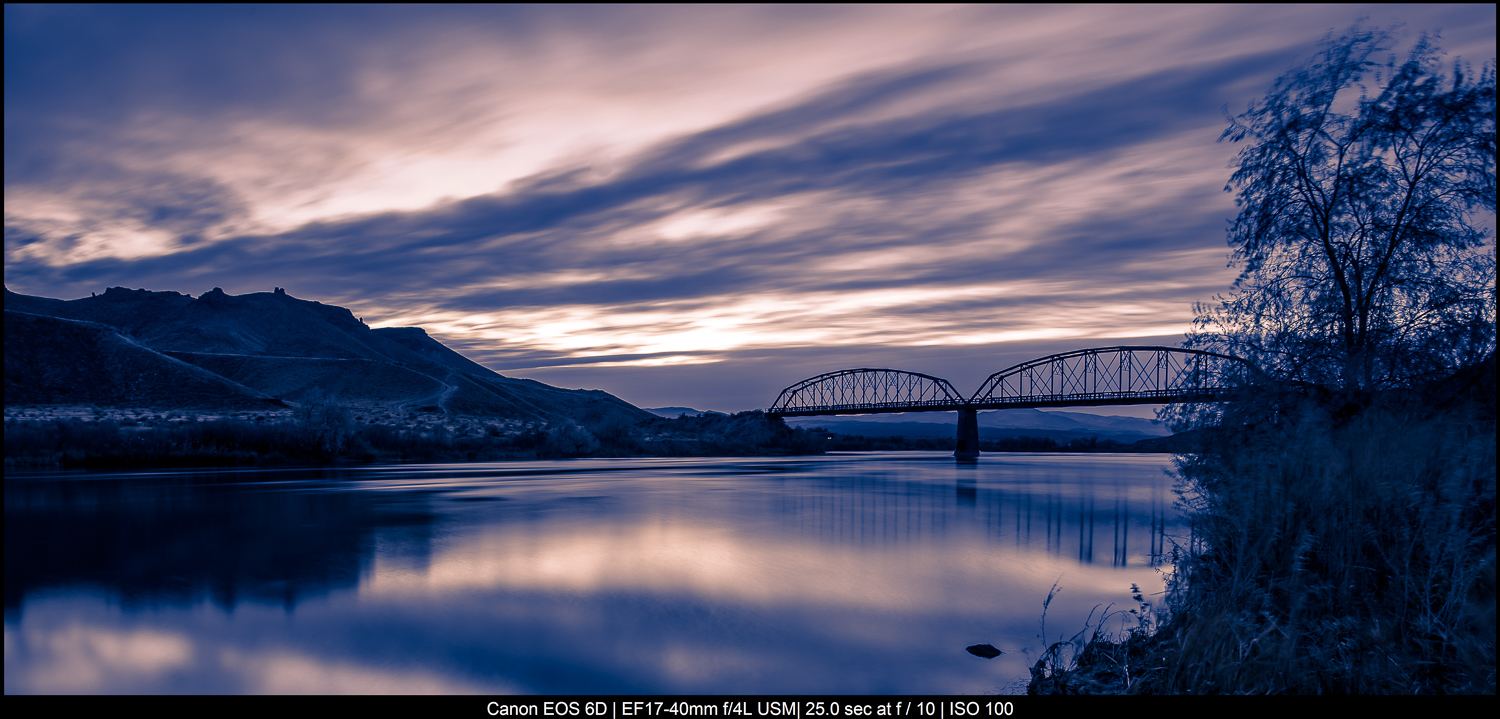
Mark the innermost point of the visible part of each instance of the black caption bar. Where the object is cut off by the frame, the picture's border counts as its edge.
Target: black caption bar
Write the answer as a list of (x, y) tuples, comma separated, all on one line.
[(799, 707), (626, 706)]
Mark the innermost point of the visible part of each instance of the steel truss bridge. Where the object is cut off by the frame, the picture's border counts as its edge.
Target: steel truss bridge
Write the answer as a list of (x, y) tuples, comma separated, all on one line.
[(1082, 378)]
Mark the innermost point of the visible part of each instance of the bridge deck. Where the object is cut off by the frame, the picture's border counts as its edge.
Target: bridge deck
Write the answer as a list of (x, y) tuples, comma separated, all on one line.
[(1017, 403)]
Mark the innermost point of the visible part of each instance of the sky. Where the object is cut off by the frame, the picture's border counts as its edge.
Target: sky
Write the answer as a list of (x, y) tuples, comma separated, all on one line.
[(683, 206)]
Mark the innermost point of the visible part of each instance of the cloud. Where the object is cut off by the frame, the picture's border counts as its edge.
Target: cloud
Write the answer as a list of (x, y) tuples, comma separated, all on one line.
[(845, 232), (560, 186)]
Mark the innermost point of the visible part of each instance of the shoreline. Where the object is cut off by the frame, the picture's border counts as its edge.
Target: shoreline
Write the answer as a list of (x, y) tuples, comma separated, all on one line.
[(72, 436)]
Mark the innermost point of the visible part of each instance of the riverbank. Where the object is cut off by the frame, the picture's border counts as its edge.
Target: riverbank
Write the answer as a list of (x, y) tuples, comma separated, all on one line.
[(325, 434), (84, 436), (1338, 546)]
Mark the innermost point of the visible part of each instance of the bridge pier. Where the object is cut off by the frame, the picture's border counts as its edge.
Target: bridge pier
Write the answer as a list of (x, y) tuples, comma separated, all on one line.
[(968, 434)]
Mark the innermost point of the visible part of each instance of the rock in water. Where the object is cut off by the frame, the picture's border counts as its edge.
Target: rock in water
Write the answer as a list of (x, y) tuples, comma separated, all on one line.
[(985, 650)]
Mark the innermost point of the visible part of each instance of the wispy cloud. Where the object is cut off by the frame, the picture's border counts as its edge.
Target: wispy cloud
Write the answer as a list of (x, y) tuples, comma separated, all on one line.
[(641, 188)]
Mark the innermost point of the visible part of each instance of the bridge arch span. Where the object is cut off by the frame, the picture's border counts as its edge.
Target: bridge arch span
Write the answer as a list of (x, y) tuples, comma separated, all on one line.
[(867, 391), (1114, 376), (1089, 377)]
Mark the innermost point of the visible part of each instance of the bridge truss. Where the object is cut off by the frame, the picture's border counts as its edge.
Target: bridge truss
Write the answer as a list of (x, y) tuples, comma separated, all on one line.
[(1114, 376), (1088, 377), (866, 391)]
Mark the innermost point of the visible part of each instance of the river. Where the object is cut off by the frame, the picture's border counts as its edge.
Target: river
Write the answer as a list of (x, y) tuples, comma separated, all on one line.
[(862, 573)]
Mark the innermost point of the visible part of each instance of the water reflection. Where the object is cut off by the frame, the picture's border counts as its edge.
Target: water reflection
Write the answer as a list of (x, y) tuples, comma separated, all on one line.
[(176, 538), (859, 574)]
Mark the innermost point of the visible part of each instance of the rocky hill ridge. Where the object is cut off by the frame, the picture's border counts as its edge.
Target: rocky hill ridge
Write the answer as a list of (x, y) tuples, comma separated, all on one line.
[(265, 348)]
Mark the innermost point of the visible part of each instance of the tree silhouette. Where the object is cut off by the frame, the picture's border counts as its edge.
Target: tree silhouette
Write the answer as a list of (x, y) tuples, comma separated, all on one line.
[(1364, 259)]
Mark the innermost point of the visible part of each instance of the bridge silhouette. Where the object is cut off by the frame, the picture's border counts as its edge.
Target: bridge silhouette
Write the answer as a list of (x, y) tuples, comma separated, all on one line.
[(1101, 376)]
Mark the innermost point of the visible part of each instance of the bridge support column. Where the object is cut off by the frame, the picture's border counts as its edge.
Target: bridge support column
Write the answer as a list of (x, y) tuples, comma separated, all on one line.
[(968, 434)]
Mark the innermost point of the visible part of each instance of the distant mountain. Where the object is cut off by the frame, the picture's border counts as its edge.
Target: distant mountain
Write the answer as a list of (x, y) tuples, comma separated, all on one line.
[(993, 424), (1071, 421), (675, 412), (166, 349)]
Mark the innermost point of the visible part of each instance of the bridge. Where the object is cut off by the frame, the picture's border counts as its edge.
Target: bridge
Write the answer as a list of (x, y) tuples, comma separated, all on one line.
[(1095, 377)]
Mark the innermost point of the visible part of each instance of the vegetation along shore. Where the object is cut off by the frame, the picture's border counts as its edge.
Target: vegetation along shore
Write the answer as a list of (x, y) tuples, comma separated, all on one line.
[(1343, 508)]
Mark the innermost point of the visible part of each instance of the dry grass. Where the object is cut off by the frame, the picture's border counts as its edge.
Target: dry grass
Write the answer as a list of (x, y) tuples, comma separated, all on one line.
[(1347, 551), (1338, 547)]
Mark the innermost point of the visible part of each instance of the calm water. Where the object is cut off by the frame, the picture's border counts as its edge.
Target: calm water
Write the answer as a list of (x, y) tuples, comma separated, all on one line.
[(864, 573)]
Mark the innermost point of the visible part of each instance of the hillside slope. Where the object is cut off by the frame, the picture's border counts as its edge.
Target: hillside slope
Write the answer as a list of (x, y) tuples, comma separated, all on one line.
[(54, 360), (265, 347)]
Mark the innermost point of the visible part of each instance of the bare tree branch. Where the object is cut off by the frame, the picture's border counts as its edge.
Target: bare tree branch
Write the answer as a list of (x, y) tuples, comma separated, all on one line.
[(1362, 261)]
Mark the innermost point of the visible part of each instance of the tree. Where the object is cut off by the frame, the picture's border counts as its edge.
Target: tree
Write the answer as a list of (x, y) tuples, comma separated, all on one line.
[(1364, 262)]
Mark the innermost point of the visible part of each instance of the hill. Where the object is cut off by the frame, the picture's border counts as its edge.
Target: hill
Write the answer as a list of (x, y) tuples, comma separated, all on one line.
[(53, 360), (139, 348), (675, 412)]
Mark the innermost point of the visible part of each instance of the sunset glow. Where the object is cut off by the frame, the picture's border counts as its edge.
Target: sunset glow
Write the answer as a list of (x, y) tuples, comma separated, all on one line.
[(634, 188)]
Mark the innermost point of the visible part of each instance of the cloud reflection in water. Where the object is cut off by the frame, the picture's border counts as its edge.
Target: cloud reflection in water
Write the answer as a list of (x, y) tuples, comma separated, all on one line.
[(832, 574)]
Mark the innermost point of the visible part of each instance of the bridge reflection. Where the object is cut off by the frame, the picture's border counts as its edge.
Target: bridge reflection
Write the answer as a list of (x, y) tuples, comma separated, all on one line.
[(1096, 519)]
